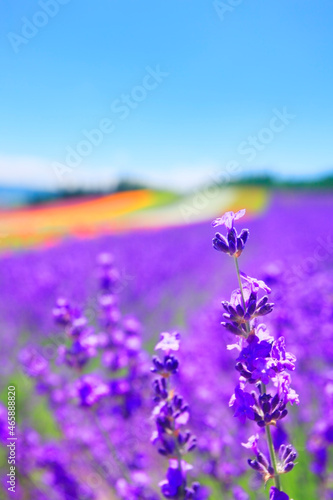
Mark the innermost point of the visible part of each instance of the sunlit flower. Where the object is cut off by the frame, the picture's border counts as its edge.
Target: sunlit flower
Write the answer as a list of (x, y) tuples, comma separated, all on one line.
[(227, 219)]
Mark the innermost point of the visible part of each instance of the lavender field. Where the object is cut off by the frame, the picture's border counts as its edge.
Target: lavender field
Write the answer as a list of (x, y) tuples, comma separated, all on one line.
[(127, 386)]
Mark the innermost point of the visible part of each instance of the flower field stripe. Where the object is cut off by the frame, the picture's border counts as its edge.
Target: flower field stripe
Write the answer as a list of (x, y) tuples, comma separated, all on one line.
[(69, 216), (116, 213)]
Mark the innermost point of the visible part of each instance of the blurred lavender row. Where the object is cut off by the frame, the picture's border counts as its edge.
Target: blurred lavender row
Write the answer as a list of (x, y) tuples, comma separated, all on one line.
[(167, 279)]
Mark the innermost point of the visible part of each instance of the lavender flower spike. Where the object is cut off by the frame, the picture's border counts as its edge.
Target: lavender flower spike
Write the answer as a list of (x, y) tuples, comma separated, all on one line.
[(263, 389), (171, 415), (231, 244)]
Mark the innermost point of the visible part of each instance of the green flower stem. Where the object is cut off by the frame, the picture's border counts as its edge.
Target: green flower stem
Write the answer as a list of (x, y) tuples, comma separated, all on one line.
[(273, 457), (177, 450), (248, 328), (272, 451), (239, 281)]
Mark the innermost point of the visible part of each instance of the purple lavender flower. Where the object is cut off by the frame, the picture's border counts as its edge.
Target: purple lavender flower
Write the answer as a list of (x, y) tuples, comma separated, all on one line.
[(255, 284), (263, 466), (59, 477), (137, 488), (91, 389), (171, 415), (167, 367), (262, 371), (232, 244), (287, 457), (173, 485), (243, 308), (80, 351), (269, 409), (255, 350), (196, 492), (282, 360), (243, 403), (252, 443), (108, 274), (62, 313), (169, 342), (283, 380), (276, 494), (227, 220), (34, 364), (262, 361)]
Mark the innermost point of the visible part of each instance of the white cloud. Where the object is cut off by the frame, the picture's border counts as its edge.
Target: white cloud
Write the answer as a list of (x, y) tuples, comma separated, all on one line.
[(21, 171), (182, 177), (39, 173)]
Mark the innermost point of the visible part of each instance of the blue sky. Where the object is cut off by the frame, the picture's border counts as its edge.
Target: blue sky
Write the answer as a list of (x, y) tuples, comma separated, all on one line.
[(223, 74)]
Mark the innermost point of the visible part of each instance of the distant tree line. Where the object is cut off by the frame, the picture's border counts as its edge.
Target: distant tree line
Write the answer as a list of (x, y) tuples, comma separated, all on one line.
[(267, 181), (63, 194)]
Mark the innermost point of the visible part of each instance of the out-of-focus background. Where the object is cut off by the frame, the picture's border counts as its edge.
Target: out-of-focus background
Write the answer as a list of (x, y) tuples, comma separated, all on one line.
[(159, 100), (127, 127)]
